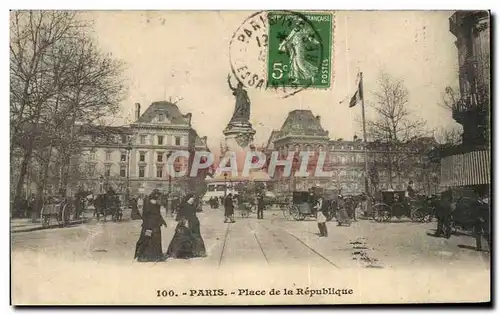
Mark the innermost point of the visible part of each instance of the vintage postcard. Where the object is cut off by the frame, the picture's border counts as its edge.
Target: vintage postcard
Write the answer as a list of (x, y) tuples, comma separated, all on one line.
[(249, 158)]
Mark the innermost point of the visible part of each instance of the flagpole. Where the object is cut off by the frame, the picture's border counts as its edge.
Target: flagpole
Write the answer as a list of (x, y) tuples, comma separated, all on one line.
[(367, 176)]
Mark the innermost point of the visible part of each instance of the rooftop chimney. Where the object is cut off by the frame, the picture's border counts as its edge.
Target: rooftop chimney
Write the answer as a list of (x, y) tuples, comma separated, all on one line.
[(318, 118), (137, 111)]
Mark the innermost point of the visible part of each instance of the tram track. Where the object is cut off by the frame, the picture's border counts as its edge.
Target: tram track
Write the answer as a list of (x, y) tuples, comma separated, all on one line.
[(258, 242), (224, 245), (300, 241)]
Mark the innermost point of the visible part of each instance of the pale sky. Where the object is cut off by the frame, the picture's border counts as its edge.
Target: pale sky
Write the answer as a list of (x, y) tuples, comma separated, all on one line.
[(181, 54)]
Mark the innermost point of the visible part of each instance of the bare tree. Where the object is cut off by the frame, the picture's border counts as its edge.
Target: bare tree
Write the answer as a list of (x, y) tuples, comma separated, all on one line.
[(59, 81), (448, 136), (394, 126), (33, 35)]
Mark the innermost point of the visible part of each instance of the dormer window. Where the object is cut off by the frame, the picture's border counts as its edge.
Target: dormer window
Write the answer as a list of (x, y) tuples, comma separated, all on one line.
[(161, 117)]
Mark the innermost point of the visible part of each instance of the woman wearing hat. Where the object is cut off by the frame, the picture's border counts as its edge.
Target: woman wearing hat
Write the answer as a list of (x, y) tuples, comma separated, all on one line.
[(187, 241), (148, 247)]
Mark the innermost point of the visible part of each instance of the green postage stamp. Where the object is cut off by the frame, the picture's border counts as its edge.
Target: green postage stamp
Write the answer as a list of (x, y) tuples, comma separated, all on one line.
[(300, 49)]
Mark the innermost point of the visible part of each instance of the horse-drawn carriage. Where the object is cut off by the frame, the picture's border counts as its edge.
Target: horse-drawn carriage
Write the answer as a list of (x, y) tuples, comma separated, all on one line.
[(391, 204), (58, 209), (108, 204), (302, 204)]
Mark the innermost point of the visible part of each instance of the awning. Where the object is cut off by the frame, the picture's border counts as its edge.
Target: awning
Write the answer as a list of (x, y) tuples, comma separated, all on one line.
[(472, 168)]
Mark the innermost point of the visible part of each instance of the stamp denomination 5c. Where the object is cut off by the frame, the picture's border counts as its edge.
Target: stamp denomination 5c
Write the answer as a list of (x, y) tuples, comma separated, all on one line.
[(299, 51)]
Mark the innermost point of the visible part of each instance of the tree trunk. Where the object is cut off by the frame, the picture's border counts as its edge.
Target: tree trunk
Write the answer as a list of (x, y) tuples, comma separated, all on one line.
[(40, 191), (22, 172)]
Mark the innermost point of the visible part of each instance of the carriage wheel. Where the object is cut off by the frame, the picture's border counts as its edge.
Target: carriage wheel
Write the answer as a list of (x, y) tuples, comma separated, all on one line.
[(245, 213), (295, 213), (45, 221), (417, 214), (287, 212), (381, 212)]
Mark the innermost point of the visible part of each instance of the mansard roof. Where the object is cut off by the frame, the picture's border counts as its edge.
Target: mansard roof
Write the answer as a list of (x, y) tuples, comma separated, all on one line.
[(172, 114), (303, 123)]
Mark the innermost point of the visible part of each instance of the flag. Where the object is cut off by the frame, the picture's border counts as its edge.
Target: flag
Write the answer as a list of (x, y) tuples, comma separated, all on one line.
[(358, 95)]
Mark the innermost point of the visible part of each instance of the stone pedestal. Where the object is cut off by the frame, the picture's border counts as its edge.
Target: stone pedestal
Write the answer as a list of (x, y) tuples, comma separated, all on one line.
[(238, 136)]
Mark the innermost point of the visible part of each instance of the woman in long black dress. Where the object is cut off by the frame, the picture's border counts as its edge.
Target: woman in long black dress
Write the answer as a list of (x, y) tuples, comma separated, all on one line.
[(187, 241), (148, 247)]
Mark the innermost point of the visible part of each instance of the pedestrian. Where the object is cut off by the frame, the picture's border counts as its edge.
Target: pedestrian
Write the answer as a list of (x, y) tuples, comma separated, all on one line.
[(148, 247), (342, 215), (481, 228), (140, 205), (187, 241), (260, 206), (135, 215), (321, 213), (443, 214), (228, 209)]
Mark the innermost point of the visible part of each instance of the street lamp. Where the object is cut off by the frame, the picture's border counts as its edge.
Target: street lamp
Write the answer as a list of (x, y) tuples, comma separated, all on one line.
[(225, 184), (101, 184), (127, 191), (169, 198)]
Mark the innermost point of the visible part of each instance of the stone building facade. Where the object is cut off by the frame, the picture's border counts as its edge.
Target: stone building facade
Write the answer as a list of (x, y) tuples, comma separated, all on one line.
[(135, 156), (468, 165), (302, 131)]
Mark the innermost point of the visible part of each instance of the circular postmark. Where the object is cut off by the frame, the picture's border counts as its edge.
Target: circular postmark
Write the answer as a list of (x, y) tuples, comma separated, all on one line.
[(282, 51)]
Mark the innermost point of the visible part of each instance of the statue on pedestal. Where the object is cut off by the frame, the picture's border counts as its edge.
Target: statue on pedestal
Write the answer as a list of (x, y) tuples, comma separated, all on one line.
[(242, 107)]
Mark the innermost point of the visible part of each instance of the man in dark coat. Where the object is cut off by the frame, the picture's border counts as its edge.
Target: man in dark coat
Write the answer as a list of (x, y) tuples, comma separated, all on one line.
[(229, 209), (135, 215), (260, 206), (443, 214), (148, 247)]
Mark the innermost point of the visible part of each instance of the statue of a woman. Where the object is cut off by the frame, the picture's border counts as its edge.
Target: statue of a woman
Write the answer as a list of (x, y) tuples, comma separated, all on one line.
[(242, 107)]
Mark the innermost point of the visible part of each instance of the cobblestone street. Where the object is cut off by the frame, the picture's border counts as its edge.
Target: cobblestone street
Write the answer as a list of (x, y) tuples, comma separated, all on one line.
[(86, 256), (273, 240)]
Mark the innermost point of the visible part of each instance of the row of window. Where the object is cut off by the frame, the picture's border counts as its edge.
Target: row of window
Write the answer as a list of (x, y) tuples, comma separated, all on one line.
[(123, 156), (159, 140), (123, 171), (143, 138)]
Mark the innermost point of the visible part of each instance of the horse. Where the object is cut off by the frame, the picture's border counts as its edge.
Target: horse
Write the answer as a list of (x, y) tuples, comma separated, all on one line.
[(105, 204)]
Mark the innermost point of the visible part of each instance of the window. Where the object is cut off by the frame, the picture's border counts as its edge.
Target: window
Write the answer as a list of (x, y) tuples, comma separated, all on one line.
[(94, 138), (141, 171), (123, 157), (91, 170), (142, 157), (159, 157), (92, 155), (177, 140), (124, 139), (143, 139), (161, 117), (159, 172), (160, 140), (108, 156), (123, 171), (107, 170)]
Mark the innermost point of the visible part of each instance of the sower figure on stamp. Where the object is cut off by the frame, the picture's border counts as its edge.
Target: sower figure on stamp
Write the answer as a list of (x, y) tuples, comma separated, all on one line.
[(148, 247)]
